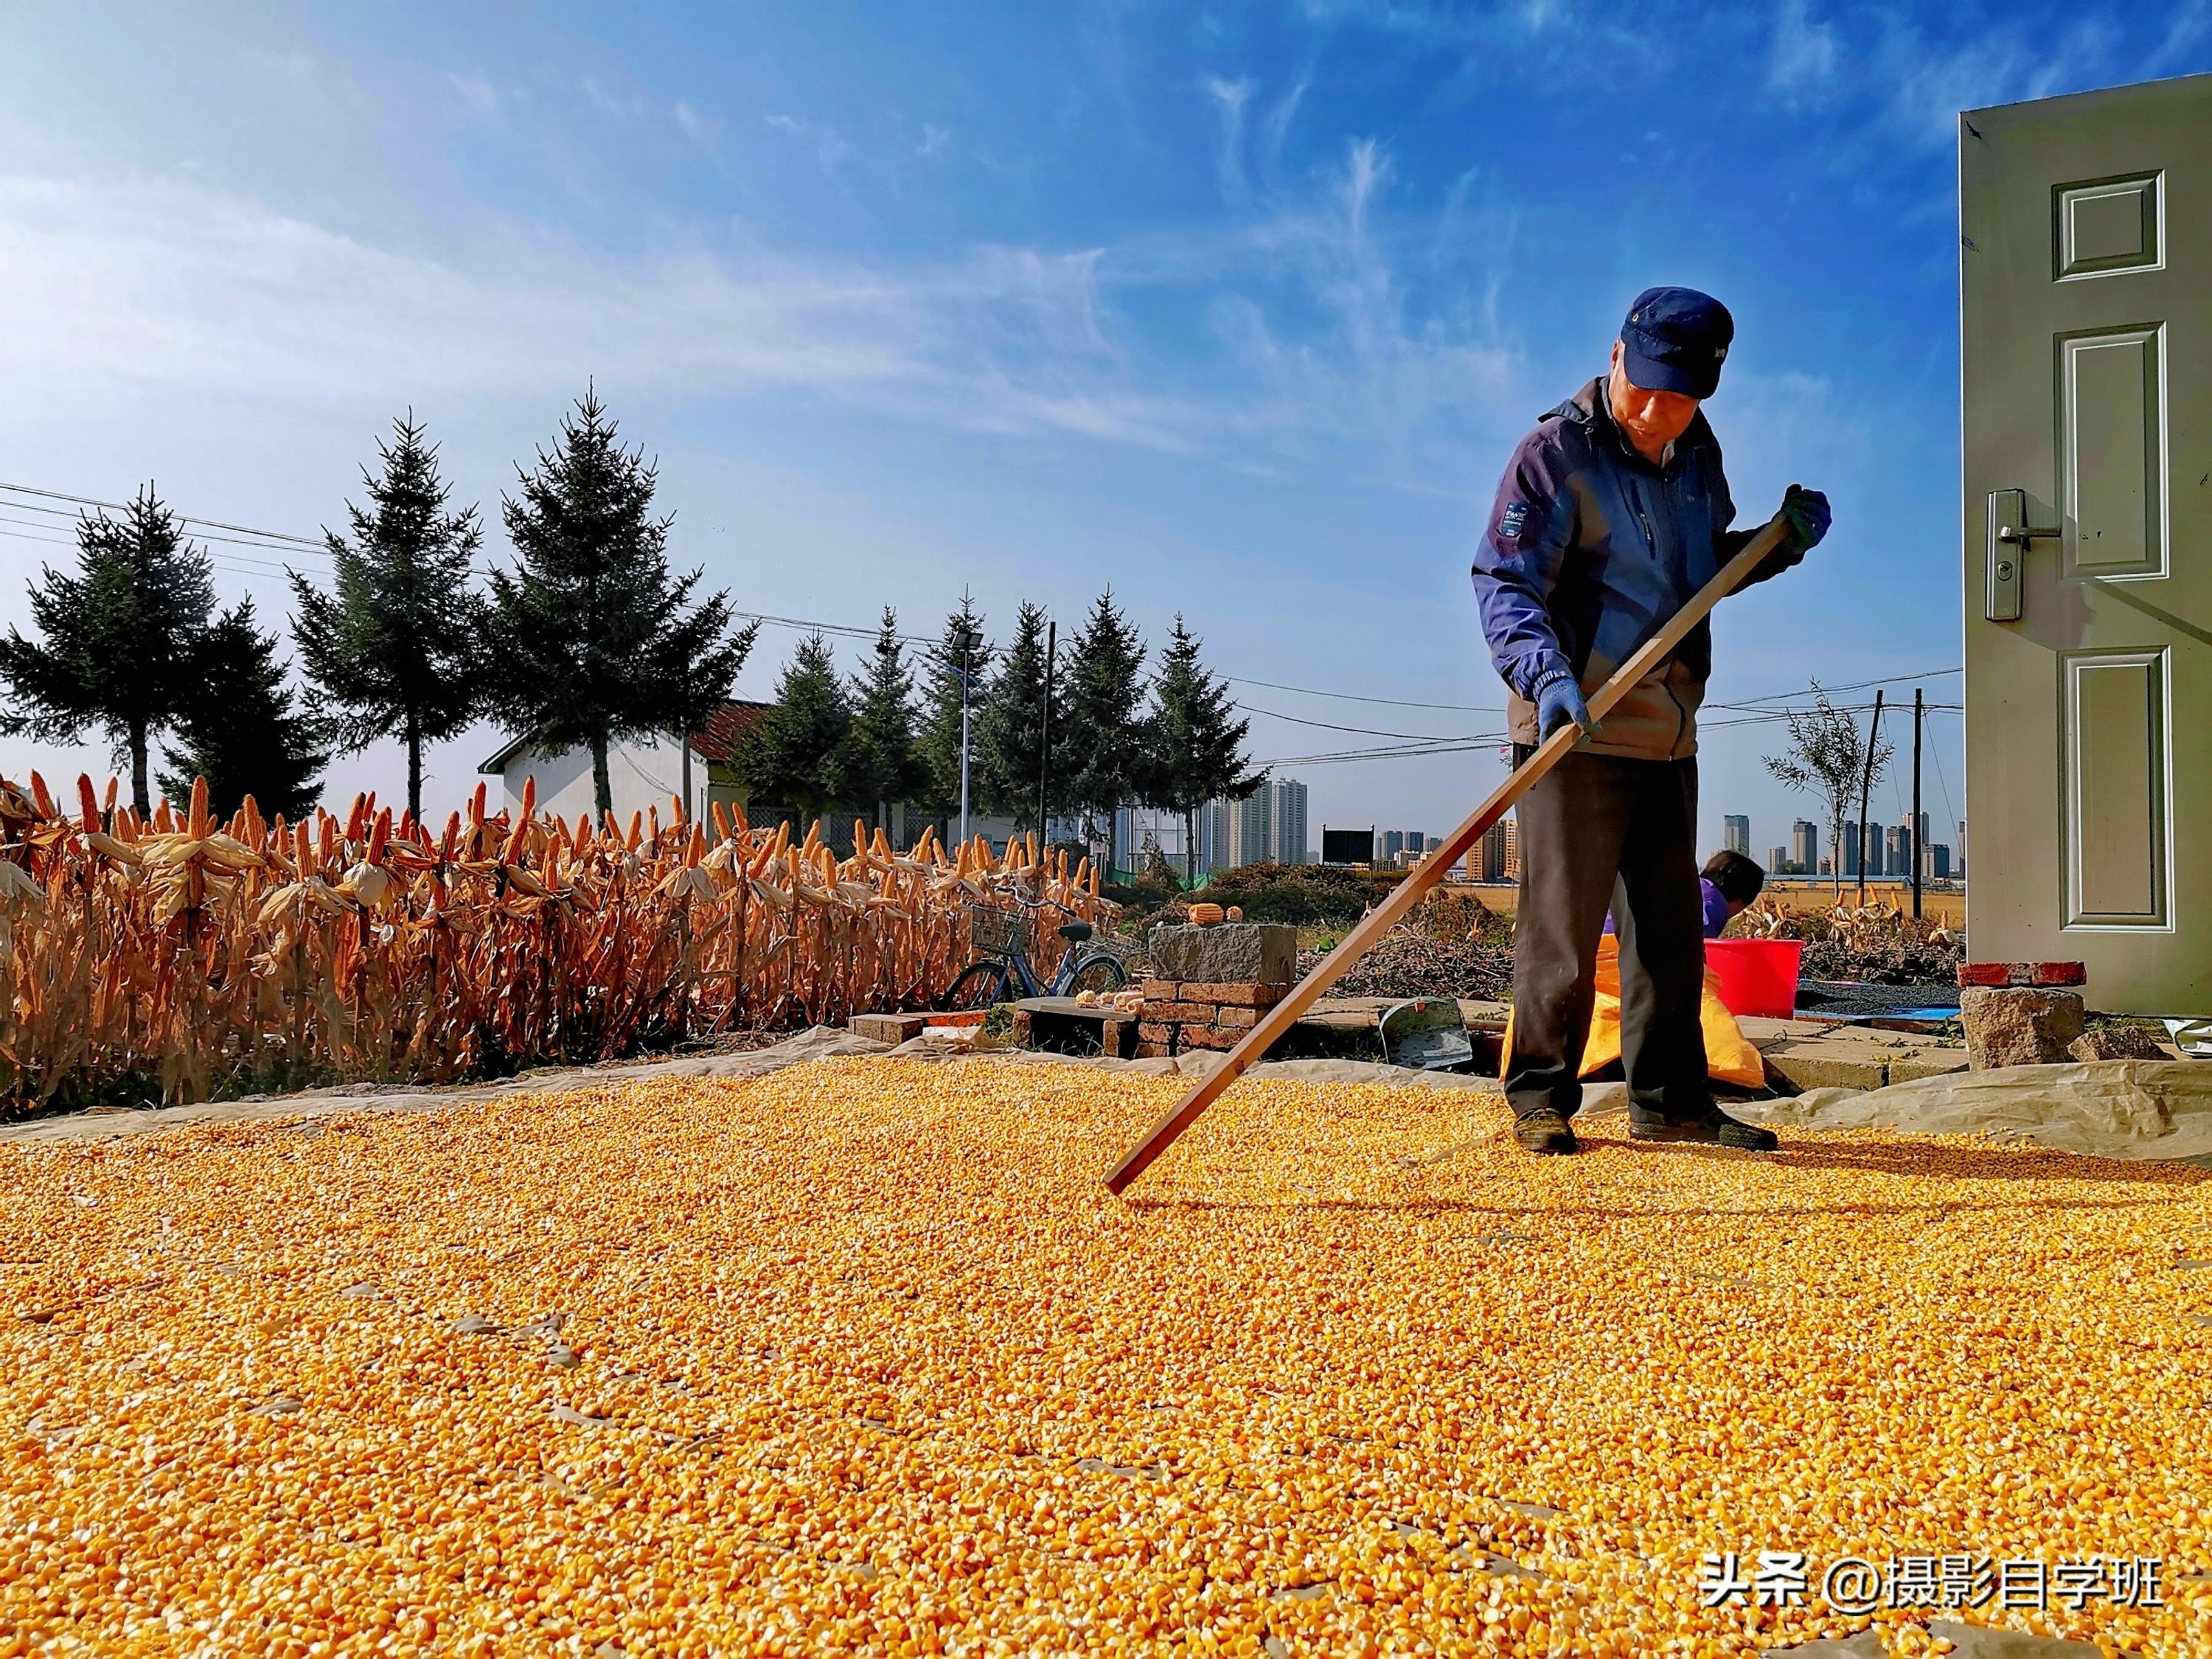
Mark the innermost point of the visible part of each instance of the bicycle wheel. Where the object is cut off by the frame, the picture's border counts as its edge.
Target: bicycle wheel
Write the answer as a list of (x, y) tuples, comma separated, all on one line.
[(979, 985), (1101, 973)]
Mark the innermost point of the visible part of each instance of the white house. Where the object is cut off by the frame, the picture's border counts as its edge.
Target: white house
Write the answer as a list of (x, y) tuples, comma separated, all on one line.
[(641, 773)]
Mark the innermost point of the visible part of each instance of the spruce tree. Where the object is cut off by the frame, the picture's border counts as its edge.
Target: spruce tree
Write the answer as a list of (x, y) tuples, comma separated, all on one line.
[(794, 754), (243, 731), (963, 650), (1107, 738), (883, 759), (589, 639), (1012, 739), (121, 639), (394, 645), (1198, 752)]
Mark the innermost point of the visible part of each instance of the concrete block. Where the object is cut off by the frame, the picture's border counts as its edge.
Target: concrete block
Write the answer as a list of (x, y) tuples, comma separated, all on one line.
[(1912, 1065), (1826, 1063), (1251, 995), (1246, 951), (2018, 1026), (887, 1028)]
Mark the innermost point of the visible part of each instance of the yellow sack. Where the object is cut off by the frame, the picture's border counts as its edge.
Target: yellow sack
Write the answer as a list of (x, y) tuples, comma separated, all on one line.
[(1729, 1056)]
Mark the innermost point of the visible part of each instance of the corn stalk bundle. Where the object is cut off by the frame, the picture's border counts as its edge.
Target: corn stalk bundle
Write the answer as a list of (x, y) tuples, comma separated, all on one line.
[(177, 956)]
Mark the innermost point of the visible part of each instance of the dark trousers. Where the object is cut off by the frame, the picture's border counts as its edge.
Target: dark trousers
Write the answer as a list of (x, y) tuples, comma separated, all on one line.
[(1591, 822)]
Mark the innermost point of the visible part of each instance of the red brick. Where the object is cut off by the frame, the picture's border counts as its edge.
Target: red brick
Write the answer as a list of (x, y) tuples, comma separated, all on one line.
[(2023, 973), (1205, 1036), (1152, 1050), (1984, 972), (1149, 1032), (2060, 973), (1161, 990), (1236, 1019), (1237, 995), (1195, 1013)]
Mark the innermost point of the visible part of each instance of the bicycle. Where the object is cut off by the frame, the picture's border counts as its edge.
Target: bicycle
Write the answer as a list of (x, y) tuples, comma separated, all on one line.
[(1004, 974)]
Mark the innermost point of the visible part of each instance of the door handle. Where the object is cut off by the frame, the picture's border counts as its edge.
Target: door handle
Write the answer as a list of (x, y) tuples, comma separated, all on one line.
[(2010, 537)]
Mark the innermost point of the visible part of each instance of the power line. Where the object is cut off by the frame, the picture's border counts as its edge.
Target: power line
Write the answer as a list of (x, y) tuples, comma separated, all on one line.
[(182, 518), (1353, 696)]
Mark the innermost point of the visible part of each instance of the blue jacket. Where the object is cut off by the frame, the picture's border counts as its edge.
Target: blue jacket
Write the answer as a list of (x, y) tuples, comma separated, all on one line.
[(1589, 550)]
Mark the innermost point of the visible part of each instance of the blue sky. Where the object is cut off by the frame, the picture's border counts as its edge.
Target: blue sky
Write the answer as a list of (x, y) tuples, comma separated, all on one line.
[(1239, 308)]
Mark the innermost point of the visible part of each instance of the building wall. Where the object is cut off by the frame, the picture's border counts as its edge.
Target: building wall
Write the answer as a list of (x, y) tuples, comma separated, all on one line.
[(1735, 833), (640, 775)]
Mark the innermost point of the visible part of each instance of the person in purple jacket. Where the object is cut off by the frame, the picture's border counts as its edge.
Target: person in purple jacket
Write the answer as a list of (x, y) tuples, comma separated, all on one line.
[(1725, 890), (1612, 515)]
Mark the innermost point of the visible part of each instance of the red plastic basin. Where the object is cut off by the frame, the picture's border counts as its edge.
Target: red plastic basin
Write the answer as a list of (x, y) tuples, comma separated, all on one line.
[(1758, 977)]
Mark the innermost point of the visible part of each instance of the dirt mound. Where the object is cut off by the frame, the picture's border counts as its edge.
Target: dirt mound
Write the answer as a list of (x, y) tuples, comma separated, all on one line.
[(1410, 962)]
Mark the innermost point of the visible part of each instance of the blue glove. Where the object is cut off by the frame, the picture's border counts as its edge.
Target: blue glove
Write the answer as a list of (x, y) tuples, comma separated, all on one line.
[(1808, 515), (1559, 701)]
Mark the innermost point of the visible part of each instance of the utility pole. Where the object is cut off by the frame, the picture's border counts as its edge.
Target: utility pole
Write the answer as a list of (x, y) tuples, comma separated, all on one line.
[(1044, 744), (1912, 834), (1866, 788), (964, 686)]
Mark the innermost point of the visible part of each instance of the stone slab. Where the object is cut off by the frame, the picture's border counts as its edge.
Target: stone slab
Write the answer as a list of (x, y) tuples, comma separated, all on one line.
[(1248, 951), (1826, 1063), (1915, 1064)]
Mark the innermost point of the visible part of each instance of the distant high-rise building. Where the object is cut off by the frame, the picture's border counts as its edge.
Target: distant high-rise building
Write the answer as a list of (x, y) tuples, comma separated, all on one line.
[(1960, 868), (1849, 852), (1777, 861), (1939, 862), (1246, 841), (1487, 857), (1286, 821), (1268, 825), (1897, 859), (1388, 845), (1735, 833), (1805, 847)]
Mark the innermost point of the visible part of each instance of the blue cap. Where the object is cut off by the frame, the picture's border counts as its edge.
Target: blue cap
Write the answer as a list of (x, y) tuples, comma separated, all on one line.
[(1676, 340)]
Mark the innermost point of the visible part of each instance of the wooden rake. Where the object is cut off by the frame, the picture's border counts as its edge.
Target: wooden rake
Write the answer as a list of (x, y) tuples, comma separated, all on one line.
[(1432, 869)]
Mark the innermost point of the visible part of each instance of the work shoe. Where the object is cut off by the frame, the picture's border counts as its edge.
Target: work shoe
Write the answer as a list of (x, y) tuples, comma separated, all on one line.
[(1711, 1127), (1545, 1130)]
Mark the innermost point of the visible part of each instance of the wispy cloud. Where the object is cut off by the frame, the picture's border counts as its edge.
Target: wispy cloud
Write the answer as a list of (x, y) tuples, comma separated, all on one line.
[(1229, 98), (1802, 60), (830, 147), (2192, 27), (704, 131), (935, 142), (477, 96)]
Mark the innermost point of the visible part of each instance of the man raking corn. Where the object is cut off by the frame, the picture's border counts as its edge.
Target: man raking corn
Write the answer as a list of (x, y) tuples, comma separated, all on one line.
[(1613, 513)]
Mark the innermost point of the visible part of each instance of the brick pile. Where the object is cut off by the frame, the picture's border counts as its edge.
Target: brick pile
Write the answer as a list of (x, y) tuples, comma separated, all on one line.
[(1180, 1015), (2045, 973)]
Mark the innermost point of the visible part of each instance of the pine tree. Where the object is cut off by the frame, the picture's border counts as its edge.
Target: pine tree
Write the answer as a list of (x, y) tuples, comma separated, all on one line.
[(395, 646), (1108, 740), (121, 645), (1012, 739), (882, 760), (794, 754), (243, 731), (590, 639), (964, 651), (1198, 753)]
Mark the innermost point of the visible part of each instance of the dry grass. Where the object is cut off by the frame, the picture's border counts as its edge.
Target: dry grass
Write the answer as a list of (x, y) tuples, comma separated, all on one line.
[(860, 1357), (183, 957)]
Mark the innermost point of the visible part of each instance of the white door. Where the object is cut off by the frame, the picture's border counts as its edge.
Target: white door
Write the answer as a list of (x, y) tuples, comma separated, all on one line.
[(2086, 289)]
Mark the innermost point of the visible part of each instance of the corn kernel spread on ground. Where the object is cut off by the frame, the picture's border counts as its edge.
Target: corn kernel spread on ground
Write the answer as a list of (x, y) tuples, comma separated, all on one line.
[(860, 1357)]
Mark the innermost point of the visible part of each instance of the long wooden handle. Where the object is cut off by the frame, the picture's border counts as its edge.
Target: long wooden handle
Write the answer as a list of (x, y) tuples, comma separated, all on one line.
[(1432, 869)]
